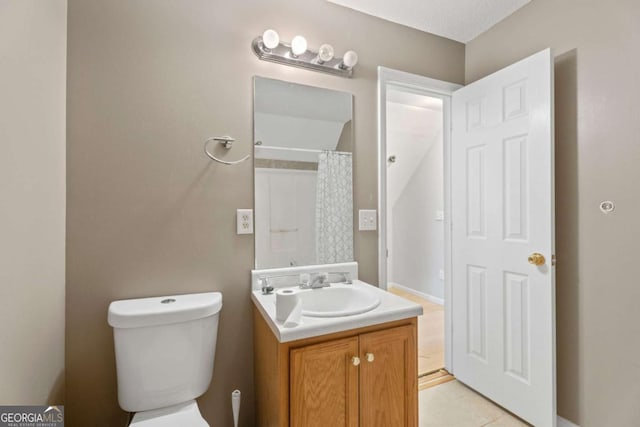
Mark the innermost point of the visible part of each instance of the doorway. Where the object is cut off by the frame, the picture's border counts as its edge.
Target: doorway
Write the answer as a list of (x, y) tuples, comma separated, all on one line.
[(414, 248), (415, 214)]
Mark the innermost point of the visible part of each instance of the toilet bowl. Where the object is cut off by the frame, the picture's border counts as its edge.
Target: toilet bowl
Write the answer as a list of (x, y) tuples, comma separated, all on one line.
[(183, 415), (165, 351)]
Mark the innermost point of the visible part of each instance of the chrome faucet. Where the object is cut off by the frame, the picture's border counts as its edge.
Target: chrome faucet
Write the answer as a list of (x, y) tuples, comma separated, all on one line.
[(267, 288), (320, 280)]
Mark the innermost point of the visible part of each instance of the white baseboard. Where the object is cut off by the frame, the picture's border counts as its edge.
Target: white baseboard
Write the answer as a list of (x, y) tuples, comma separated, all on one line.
[(430, 298), (565, 423)]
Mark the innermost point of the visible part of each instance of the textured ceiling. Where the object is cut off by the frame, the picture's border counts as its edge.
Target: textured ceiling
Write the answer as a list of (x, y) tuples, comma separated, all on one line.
[(460, 20)]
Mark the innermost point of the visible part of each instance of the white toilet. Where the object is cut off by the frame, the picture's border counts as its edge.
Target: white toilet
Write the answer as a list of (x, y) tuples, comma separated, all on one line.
[(165, 349)]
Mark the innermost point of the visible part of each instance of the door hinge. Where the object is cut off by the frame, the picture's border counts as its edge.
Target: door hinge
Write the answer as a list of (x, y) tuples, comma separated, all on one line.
[(553, 259)]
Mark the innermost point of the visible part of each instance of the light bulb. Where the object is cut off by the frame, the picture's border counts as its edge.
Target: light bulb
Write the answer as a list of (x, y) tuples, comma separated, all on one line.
[(270, 39), (298, 45), (349, 60), (325, 53)]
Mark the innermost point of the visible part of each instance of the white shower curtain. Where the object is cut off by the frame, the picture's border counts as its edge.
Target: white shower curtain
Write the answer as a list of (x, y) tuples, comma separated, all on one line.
[(334, 208)]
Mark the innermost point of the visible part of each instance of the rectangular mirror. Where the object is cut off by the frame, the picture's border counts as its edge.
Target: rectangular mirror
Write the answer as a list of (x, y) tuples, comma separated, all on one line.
[(303, 145)]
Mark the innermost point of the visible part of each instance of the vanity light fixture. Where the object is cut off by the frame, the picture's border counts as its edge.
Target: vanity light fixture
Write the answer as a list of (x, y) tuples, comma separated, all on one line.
[(298, 46), (349, 61), (325, 53), (270, 39), (269, 48)]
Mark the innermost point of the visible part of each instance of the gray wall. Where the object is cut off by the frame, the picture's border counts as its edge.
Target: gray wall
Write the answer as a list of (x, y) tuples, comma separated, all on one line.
[(148, 214), (33, 41), (597, 157)]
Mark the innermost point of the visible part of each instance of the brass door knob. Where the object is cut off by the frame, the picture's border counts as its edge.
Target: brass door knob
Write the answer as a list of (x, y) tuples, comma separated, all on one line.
[(355, 360), (370, 357), (536, 259)]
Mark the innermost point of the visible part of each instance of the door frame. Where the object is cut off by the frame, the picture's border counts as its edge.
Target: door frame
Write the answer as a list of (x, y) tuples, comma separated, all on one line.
[(430, 87)]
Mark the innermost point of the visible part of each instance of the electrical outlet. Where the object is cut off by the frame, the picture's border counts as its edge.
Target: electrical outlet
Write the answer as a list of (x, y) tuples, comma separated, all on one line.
[(441, 274), (367, 220), (244, 221)]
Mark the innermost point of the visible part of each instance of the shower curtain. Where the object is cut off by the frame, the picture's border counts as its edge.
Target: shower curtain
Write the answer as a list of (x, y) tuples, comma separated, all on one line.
[(334, 208)]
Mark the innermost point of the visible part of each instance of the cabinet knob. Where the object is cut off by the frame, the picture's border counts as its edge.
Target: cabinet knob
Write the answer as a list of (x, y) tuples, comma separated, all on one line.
[(355, 360), (370, 357)]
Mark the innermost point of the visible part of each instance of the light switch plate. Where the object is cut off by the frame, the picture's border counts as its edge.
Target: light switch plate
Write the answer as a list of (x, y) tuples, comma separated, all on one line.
[(367, 220), (244, 221)]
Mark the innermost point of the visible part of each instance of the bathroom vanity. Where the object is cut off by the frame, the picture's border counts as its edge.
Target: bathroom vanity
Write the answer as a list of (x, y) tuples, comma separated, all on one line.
[(344, 354), (358, 370)]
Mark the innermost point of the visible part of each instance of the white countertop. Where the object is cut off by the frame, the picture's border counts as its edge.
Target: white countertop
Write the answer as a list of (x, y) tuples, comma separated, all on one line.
[(391, 308)]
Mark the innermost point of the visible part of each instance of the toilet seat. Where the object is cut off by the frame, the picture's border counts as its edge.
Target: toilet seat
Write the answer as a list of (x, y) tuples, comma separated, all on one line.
[(184, 414)]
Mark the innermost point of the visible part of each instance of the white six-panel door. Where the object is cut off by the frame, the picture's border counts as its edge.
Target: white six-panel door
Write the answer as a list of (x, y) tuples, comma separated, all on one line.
[(503, 212)]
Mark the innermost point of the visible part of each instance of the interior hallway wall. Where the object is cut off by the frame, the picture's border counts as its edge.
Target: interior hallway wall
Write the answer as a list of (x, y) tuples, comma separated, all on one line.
[(418, 233), (33, 49), (148, 213), (414, 198), (597, 156)]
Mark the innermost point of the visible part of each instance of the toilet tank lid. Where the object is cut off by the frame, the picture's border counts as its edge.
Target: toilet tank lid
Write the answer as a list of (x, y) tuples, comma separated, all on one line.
[(154, 311)]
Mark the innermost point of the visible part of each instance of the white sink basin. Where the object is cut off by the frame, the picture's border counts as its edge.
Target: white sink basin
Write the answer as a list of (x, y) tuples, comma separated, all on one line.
[(337, 301)]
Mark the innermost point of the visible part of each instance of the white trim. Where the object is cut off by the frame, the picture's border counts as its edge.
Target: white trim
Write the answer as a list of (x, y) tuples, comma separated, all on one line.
[(290, 154), (562, 422), (277, 171), (443, 90), (430, 298)]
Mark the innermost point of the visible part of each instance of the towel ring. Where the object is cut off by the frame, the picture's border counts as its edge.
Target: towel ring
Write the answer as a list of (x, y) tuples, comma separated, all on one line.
[(227, 141)]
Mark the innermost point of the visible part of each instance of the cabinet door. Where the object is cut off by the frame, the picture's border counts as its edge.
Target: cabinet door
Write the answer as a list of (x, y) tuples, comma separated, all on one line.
[(389, 378), (324, 384)]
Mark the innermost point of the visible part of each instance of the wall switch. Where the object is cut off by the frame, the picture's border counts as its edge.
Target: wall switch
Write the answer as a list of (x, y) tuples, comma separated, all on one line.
[(439, 215), (367, 220), (441, 274), (244, 221)]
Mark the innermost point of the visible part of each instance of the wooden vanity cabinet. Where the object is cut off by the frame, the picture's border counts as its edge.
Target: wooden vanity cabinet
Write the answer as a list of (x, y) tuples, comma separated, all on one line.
[(361, 377), (323, 384), (389, 382)]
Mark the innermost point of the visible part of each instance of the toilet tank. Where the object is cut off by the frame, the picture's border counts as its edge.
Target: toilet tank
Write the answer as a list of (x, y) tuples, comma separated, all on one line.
[(165, 348)]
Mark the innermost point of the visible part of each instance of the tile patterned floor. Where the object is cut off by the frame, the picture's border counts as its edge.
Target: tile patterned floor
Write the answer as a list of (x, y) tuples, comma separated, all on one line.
[(454, 405)]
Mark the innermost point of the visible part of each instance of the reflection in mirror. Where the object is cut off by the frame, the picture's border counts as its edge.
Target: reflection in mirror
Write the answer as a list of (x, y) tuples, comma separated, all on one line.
[(303, 174)]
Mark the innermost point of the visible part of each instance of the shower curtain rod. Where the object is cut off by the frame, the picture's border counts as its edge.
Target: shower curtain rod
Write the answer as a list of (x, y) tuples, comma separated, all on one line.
[(302, 150)]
